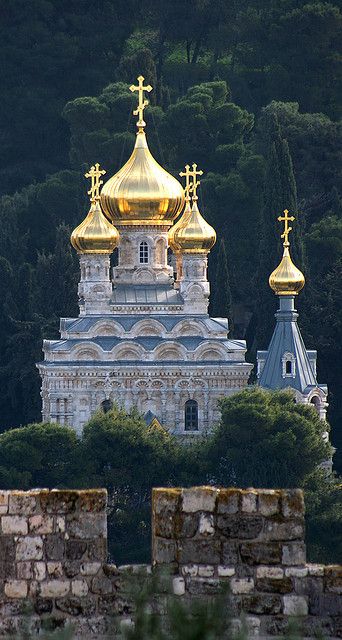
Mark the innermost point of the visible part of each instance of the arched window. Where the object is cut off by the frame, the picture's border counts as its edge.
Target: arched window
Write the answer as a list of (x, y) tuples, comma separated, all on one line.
[(191, 415), (143, 252), (106, 405), (288, 365)]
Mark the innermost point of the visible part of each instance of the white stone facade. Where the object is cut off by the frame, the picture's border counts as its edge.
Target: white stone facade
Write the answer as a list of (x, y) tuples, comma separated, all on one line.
[(140, 341)]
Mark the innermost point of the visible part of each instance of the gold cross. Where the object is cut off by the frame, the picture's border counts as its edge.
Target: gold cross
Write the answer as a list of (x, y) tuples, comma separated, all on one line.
[(142, 102), (95, 174), (286, 219), (188, 186), (195, 183)]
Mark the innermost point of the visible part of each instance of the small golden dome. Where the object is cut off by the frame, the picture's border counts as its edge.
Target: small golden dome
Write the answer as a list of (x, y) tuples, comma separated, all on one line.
[(286, 279), (142, 192), (95, 234), (195, 235), (174, 246)]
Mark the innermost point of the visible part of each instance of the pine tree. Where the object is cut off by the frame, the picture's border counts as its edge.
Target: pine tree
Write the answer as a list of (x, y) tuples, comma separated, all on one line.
[(222, 305)]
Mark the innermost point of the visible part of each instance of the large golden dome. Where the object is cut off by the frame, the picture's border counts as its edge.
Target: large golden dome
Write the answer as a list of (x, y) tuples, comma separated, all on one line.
[(286, 279), (95, 234), (142, 192), (195, 235)]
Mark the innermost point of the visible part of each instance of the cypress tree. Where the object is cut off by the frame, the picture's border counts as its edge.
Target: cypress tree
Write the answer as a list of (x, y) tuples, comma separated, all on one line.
[(222, 306)]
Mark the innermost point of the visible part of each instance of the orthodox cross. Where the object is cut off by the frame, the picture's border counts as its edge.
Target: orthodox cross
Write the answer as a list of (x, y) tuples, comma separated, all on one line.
[(195, 183), (142, 102), (95, 174), (286, 219), (188, 186)]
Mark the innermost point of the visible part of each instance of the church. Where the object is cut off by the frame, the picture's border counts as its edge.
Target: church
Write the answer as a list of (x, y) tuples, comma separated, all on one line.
[(143, 337)]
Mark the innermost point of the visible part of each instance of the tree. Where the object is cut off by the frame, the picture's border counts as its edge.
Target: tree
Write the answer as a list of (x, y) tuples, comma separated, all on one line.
[(222, 305), (264, 439)]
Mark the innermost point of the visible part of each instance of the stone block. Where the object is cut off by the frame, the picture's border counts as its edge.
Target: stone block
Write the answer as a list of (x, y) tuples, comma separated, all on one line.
[(4, 495), (249, 501), (230, 552), (288, 530), (333, 579), (206, 570), (294, 553), (54, 588), (269, 502), (199, 551), (228, 501), (71, 568), (60, 524), (315, 569), (16, 589), (97, 550), (203, 586), (92, 500), (164, 525), (269, 572), (75, 549), (54, 569), (24, 571), (189, 570), (255, 553), (253, 626), (293, 503), (55, 547), (165, 500), (7, 548), (295, 606), (41, 524), (241, 585), (59, 501), (178, 586), (296, 572), (223, 571), (262, 604), (186, 525), (206, 525), (164, 551), (75, 606), (199, 499), (79, 588), (90, 568), (274, 585), (242, 527), (29, 548), (14, 525), (39, 571), (22, 503), (7, 570), (43, 605), (325, 604), (101, 584), (86, 525)]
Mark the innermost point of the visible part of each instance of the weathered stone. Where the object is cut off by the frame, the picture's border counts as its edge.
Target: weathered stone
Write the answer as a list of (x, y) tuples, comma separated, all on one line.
[(196, 550), (54, 569), (54, 588), (253, 626), (296, 572), (33, 587), (262, 604), (54, 547), (277, 625), (289, 530), (269, 572), (249, 501), (43, 605), (7, 570), (164, 500), (71, 568), (7, 548), (315, 569), (164, 551), (87, 525), (39, 571), (178, 586), (206, 570), (295, 606), (294, 553), (275, 585), (114, 606), (333, 578), (14, 525), (241, 585), (101, 584), (225, 572), (206, 525), (60, 524), (203, 586), (230, 552), (92, 500), (269, 502), (41, 524), (261, 553), (59, 501), (240, 526), (79, 588), (199, 499), (97, 550), (164, 525), (22, 503), (325, 604), (190, 570), (186, 525), (4, 495), (16, 588), (24, 571), (75, 549), (90, 568), (293, 503), (228, 501), (29, 548), (75, 606)]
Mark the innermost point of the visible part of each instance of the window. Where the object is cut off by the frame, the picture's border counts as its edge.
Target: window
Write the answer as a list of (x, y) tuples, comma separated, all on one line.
[(143, 252), (191, 415), (288, 367), (106, 405)]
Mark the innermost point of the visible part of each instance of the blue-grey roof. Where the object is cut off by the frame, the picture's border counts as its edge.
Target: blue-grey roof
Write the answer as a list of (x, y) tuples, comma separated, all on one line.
[(96, 364), (107, 343), (85, 323), (286, 339), (146, 294)]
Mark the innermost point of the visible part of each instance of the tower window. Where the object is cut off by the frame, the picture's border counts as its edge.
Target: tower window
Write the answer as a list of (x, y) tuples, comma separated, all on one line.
[(191, 415), (288, 366), (143, 252)]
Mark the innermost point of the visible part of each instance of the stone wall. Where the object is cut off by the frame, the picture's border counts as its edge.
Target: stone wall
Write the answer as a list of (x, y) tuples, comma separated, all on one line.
[(53, 568)]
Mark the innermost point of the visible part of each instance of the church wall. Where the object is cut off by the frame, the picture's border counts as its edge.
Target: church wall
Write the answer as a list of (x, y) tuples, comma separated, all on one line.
[(54, 569)]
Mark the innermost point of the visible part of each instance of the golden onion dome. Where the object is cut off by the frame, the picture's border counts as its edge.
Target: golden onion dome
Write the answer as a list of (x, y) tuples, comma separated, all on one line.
[(142, 192), (95, 234), (174, 246), (286, 279), (195, 235)]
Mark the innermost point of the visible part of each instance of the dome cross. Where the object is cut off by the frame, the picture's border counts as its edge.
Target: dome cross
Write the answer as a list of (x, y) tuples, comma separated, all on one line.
[(95, 174), (286, 219), (191, 186), (139, 111)]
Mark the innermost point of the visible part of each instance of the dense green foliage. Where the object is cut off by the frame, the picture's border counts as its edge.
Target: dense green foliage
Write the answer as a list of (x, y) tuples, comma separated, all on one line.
[(263, 439), (248, 90)]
